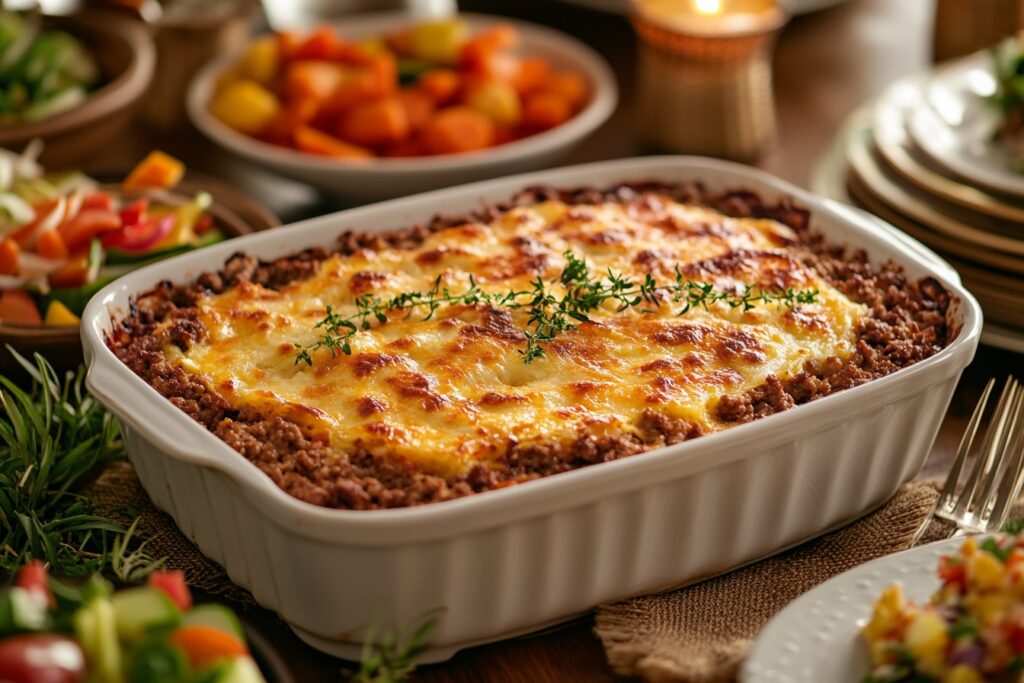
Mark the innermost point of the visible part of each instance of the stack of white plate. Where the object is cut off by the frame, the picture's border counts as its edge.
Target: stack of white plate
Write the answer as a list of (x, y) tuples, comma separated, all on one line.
[(923, 158)]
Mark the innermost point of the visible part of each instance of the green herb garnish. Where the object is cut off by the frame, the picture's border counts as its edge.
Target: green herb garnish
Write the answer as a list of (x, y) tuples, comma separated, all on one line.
[(551, 313), (390, 658), (52, 437)]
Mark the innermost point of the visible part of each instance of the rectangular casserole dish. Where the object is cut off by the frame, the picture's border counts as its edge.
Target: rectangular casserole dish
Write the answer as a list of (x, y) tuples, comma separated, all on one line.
[(512, 560)]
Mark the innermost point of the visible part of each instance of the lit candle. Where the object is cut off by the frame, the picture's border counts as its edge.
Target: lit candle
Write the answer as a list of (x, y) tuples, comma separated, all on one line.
[(712, 18), (704, 75)]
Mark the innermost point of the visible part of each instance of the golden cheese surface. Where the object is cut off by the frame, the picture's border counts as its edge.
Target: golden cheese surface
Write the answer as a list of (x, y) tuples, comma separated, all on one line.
[(454, 391)]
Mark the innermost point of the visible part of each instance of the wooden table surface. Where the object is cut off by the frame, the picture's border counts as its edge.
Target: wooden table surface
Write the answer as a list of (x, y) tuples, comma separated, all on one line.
[(826, 65)]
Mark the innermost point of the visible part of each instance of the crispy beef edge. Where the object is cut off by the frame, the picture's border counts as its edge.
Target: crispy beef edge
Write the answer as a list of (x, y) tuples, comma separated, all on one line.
[(907, 323)]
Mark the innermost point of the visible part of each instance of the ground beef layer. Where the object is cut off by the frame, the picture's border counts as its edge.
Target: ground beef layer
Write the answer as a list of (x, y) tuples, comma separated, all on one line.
[(907, 323)]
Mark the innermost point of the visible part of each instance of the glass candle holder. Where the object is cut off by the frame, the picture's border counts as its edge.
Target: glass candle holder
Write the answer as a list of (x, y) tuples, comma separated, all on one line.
[(966, 26), (704, 77)]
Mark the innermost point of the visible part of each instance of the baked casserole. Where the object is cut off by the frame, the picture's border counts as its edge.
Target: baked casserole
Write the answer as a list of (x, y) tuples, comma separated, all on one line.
[(558, 330)]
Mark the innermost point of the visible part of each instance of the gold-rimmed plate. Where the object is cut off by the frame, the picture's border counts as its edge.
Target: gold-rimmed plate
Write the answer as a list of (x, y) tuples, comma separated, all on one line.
[(899, 153), (971, 229)]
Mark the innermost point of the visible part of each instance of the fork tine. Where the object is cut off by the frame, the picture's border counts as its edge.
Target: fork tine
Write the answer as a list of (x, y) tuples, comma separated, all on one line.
[(949, 488), (983, 463), (1010, 488), (1000, 472), (945, 502)]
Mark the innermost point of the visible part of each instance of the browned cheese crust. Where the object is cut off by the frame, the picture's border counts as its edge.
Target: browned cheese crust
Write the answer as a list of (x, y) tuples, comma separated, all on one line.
[(907, 323)]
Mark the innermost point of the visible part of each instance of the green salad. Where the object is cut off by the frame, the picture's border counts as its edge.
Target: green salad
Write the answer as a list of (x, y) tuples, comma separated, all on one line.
[(42, 72), (1009, 98)]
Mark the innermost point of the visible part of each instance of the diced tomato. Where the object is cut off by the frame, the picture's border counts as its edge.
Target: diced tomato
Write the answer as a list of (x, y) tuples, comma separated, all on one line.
[(133, 213), (204, 645), (51, 245), (10, 252), (34, 578), (204, 224), (18, 308), (172, 583), (74, 273), (98, 200), (951, 571), (141, 237), (88, 224), (351, 53), (288, 44), (321, 44)]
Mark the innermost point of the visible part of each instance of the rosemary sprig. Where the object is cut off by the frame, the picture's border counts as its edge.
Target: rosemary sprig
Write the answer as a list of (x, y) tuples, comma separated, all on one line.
[(550, 314), (389, 657), (52, 437)]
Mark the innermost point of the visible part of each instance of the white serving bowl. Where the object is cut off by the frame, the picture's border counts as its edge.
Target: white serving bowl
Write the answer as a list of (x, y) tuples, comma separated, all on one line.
[(384, 178), (504, 562)]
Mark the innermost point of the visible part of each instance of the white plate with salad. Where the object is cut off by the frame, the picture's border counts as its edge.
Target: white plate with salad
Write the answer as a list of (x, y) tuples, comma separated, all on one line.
[(950, 611), (971, 120)]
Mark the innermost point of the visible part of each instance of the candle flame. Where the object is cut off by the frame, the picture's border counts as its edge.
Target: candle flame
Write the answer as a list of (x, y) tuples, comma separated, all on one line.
[(708, 6)]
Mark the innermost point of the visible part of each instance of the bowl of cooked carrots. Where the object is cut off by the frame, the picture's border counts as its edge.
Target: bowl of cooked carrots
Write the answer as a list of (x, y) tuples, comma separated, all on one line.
[(382, 106)]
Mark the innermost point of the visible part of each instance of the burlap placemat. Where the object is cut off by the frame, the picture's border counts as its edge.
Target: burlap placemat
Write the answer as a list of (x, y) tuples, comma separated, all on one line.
[(117, 489), (701, 633)]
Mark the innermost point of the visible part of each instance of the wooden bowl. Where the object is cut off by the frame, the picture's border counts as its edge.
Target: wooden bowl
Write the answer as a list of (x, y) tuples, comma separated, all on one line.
[(126, 56), (234, 213)]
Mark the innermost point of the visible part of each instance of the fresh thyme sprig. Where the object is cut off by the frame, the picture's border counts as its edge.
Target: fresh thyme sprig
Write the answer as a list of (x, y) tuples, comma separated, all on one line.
[(550, 314), (52, 437), (389, 657)]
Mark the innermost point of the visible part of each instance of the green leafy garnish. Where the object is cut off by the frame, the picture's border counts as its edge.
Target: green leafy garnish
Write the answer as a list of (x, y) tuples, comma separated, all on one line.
[(53, 436), (992, 547), (551, 313), (389, 657)]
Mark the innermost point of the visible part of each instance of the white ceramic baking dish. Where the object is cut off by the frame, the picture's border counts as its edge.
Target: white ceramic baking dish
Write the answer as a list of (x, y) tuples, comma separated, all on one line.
[(508, 561)]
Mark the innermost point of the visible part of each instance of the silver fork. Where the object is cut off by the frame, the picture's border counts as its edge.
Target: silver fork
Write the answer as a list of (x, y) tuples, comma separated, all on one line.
[(983, 503)]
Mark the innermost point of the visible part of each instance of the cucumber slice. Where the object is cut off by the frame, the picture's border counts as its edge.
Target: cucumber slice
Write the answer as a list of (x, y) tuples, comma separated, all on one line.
[(96, 630), (215, 616), (137, 610), (241, 670)]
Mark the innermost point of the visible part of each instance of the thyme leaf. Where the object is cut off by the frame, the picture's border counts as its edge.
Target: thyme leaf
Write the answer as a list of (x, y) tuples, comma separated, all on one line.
[(550, 313)]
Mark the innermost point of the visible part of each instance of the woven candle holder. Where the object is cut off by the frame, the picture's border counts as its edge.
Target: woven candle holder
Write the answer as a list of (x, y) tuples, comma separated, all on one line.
[(709, 95), (966, 26)]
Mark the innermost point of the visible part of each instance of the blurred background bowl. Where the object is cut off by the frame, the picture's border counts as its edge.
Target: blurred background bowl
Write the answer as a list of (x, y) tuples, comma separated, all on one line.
[(384, 178), (126, 56)]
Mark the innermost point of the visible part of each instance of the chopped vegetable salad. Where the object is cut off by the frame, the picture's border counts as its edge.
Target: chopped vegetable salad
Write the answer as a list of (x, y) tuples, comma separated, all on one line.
[(971, 631), (63, 237), (54, 632)]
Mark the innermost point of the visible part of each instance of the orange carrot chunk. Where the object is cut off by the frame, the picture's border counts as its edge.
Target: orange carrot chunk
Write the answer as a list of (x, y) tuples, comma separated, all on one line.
[(18, 308), (458, 129), (317, 142), (312, 79), (530, 75), (570, 85), (375, 124), (204, 645), (10, 252), (51, 245), (543, 110), (439, 84), (418, 107)]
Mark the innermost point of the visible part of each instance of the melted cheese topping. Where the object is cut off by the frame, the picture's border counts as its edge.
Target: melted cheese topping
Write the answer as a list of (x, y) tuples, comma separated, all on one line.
[(453, 391)]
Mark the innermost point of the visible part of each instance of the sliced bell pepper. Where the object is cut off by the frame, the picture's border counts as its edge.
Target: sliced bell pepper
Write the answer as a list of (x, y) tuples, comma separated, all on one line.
[(156, 170), (133, 213), (58, 315), (98, 200), (204, 645), (81, 268), (143, 236), (18, 308), (88, 224)]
